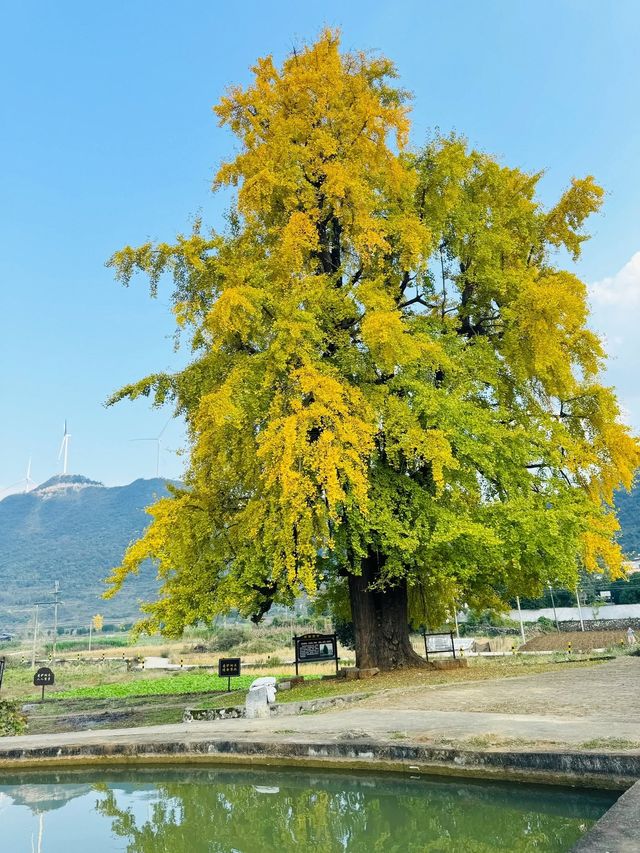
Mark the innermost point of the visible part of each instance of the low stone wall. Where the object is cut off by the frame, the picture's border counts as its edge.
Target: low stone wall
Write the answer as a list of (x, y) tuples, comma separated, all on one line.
[(232, 713), (449, 663), (602, 625), (278, 709), (602, 611)]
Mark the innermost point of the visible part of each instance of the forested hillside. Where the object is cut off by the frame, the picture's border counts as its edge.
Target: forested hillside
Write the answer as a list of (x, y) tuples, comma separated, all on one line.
[(73, 530), (628, 504)]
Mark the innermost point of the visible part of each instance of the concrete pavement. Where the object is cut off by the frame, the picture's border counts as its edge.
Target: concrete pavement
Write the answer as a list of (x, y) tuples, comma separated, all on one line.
[(419, 726)]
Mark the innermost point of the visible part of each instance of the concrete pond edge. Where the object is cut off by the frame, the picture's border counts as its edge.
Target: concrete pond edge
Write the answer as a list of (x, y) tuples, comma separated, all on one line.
[(615, 770), (618, 831)]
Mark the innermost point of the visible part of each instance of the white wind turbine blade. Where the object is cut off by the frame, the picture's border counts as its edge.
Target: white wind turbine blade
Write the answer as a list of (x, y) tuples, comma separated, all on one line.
[(64, 448), (28, 482), (11, 486), (160, 434), (158, 441)]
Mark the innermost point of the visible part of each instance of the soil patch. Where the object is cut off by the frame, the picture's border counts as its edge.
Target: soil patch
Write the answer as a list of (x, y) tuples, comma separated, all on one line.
[(581, 641)]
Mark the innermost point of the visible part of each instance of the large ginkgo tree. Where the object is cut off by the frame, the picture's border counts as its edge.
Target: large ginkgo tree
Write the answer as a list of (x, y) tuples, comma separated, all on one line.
[(393, 395)]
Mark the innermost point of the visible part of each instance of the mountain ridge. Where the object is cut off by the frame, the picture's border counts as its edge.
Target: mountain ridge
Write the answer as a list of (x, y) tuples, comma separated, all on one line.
[(74, 530)]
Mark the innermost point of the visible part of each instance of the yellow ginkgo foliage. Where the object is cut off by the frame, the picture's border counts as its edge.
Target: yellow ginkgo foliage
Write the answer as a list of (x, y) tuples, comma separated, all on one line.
[(393, 395)]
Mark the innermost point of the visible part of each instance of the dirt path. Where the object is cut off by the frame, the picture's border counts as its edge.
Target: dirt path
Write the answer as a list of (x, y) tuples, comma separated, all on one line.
[(609, 690)]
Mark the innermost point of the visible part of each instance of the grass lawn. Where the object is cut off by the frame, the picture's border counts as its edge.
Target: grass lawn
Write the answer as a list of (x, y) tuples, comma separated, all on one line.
[(186, 682), (97, 697)]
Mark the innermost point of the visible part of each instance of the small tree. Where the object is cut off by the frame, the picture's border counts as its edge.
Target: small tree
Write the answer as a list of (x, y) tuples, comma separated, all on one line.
[(393, 392)]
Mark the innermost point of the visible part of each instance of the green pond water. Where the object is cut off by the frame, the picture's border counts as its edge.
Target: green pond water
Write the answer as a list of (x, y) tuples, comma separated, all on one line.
[(193, 810)]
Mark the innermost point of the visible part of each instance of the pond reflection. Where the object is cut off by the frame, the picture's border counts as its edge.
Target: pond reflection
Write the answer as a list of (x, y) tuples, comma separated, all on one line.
[(193, 810)]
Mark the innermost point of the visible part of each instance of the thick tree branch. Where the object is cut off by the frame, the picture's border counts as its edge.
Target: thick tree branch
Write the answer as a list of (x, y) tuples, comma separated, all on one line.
[(417, 300)]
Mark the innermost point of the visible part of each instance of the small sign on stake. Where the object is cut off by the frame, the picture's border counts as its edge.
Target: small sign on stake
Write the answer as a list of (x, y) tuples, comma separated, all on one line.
[(44, 677), (2, 666), (228, 668)]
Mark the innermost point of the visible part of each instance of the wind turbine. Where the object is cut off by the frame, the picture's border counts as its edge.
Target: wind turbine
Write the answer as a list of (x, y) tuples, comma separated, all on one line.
[(64, 449), (158, 441), (26, 483)]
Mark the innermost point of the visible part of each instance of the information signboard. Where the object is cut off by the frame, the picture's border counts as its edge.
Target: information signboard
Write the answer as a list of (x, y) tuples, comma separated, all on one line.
[(44, 677), (229, 668), (315, 648), (435, 644)]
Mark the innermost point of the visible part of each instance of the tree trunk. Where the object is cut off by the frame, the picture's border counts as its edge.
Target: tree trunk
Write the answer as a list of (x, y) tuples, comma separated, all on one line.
[(380, 621)]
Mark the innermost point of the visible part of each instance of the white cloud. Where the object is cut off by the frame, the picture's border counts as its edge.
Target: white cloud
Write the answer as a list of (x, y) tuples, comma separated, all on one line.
[(615, 310), (622, 289)]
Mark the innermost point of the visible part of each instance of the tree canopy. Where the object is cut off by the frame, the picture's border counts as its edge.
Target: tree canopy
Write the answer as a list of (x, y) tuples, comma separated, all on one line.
[(392, 377)]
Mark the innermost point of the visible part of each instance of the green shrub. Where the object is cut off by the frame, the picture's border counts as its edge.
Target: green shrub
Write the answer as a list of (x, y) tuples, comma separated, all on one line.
[(489, 623), (228, 638), (12, 720)]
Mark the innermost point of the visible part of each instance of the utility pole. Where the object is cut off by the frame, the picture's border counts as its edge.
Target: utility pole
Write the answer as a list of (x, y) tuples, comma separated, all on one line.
[(553, 604), (56, 593), (579, 608), (521, 622), (35, 637)]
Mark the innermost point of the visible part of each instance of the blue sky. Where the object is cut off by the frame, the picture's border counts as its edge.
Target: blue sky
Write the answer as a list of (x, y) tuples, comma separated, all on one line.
[(108, 138)]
